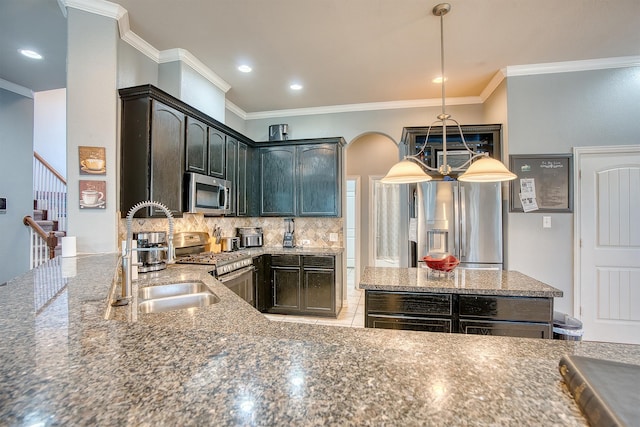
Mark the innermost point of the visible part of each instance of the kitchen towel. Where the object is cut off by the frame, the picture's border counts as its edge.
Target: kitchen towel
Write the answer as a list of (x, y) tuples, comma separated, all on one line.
[(68, 246)]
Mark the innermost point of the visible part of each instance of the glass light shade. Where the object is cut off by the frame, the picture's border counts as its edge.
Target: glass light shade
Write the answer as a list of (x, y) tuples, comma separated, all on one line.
[(487, 169), (405, 172)]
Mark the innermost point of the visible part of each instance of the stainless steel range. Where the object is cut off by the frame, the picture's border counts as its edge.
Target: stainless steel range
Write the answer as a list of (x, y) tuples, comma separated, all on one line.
[(233, 269)]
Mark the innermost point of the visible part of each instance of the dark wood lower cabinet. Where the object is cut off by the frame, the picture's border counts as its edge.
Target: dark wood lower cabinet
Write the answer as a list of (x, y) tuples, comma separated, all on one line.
[(408, 323), (516, 316), (286, 288), (505, 329), (304, 284)]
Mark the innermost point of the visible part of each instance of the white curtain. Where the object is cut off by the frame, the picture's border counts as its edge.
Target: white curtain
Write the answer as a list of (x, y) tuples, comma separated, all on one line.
[(387, 205)]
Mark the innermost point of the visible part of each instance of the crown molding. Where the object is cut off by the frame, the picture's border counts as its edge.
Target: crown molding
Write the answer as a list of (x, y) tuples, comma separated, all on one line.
[(188, 58), (12, 87), (117, 12), (235, 109), (572, 66), (350, 108), (493, 84), (97, 7), (135, 40)]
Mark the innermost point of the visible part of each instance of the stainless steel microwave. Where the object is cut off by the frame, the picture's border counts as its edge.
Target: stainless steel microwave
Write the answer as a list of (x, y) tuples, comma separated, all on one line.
[(208, 195)]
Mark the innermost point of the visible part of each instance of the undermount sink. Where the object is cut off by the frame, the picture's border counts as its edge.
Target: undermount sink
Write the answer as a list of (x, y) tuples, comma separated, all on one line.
[(171, 290), (175, 296)]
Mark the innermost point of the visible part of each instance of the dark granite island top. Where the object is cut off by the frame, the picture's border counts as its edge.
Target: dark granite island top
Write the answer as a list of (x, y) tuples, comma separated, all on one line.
[(66, 360), (459, 281)]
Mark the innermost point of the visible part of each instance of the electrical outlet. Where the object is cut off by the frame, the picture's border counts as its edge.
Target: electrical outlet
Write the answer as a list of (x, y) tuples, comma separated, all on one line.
[(546, 222), (305, 242), (333, 237)]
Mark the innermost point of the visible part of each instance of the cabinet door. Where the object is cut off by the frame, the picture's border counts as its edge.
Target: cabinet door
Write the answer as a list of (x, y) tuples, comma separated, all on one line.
[(506, 329), (217, 143), (408, 323), (286, 289), (241, 181), (319, 180), (319, 291), (491, 307), (231, 164), (277, 187), (167, 158), (196, 146), (262, 284)]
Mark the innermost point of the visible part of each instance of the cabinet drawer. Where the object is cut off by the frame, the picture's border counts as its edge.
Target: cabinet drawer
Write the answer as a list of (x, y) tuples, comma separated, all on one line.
[(408, 323), (506, 329), (318, 261), (285, 260), (506, 308), (409, 303)]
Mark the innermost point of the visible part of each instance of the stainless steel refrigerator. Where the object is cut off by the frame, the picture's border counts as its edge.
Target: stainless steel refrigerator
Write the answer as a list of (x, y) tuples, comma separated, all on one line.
[(461, 218)]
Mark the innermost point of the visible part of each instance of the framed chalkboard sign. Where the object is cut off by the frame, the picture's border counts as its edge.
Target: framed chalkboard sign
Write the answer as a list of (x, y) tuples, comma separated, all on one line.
[(544, 183)]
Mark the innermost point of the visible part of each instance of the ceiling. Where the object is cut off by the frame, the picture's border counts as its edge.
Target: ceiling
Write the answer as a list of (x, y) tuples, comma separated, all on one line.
[(341, 51)]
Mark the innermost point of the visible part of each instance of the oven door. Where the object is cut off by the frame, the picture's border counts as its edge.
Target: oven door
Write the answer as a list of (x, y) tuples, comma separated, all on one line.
[(241, 283)]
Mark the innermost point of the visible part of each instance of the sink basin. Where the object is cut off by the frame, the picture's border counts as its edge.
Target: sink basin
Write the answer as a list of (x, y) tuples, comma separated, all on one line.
[(177, 302), (175, 296), (170, 290)]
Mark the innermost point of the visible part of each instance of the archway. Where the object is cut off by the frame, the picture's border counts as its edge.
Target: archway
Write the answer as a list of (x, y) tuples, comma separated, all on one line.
[(368, 157)]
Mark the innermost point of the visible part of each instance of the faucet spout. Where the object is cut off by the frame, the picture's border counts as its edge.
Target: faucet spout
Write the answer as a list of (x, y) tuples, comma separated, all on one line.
[(126, 257)]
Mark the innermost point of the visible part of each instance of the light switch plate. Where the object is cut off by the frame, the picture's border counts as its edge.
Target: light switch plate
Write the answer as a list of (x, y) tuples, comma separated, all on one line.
[(333, 237), (546, 222)]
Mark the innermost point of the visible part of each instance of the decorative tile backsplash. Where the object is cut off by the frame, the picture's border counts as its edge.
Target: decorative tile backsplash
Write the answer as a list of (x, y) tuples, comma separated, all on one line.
[(316, 230)]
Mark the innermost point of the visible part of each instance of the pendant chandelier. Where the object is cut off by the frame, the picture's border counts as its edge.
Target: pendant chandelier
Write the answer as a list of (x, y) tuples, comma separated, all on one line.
[(482, 168)]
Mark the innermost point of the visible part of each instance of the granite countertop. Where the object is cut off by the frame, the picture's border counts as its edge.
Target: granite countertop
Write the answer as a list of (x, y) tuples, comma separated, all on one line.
[(67, 359), (459, 281)]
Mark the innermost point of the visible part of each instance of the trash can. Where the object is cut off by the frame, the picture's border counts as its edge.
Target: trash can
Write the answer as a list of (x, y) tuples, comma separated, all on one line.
[(566, 327)]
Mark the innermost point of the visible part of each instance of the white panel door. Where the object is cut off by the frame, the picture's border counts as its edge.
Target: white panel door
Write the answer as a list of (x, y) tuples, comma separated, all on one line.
[(609, 258)]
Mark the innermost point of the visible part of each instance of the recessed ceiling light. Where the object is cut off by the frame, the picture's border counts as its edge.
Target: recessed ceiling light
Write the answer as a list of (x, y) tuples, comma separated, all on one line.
[(438, 80), (30, 53), (296, 86), (244, 68)]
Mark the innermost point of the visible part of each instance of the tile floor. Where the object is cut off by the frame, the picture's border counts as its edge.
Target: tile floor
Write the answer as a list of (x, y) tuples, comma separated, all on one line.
[(351, 315)]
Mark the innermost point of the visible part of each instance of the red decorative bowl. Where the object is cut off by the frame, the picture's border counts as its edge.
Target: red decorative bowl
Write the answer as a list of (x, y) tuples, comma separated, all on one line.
[(441, 263)]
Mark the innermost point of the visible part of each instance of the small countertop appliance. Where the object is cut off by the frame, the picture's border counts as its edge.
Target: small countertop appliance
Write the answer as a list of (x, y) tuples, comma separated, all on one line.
[(289, 241), (153, 255), (250, 237)]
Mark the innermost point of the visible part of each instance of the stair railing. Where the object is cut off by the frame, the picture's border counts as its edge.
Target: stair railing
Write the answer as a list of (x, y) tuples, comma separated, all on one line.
[(43, 244), (50, 191)]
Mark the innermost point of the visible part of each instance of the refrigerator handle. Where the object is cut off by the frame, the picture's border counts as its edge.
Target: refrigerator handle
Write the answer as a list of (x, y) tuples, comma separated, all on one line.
[(456, 222), (463, 224)]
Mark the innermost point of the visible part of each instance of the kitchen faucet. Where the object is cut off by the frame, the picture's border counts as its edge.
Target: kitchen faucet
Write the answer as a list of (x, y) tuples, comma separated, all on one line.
[(126, 258)]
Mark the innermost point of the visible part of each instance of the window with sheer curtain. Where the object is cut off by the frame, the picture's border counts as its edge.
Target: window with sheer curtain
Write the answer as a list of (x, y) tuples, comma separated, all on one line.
[(387, 224)]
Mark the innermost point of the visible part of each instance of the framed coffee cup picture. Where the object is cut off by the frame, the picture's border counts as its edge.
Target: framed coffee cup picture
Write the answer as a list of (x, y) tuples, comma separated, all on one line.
[(92, 160), (93, 194)]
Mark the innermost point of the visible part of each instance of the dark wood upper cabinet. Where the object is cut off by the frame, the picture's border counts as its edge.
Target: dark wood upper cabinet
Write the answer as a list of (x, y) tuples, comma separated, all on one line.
[(217, 143), (242, 195), (161, 138), (319, 180), (196, 146), (301, 178), (152, 155), (278, 174), (231, 165)]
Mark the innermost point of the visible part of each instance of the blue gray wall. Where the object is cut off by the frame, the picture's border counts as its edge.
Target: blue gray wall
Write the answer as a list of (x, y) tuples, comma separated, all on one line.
[(16, 181), (552, 114)]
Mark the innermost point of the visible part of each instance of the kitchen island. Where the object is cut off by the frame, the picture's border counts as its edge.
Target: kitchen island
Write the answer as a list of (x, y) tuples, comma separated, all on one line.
[(465, 300), (68, 358)]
